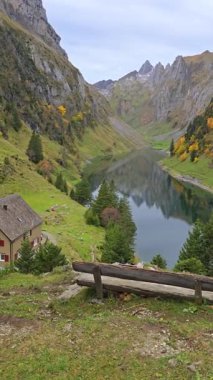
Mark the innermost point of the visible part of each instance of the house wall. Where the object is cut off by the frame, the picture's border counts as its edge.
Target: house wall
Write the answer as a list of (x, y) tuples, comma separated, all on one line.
[(6, 249), (11, 249)]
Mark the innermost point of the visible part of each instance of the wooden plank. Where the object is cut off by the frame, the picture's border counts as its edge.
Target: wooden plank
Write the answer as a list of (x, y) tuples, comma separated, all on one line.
[(98, 282), (198, 292), (132, 273), (142, 288)]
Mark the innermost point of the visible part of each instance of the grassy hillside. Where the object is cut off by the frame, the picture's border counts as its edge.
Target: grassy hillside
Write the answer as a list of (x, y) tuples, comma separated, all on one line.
[(66, 222), (125, 338), (40, 87)]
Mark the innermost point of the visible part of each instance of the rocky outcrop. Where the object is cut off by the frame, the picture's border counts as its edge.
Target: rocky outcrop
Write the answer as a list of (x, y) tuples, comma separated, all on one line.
[(157, 74), (36, 76), (104, 84), (173, 94), (146, 68), (32, 15)]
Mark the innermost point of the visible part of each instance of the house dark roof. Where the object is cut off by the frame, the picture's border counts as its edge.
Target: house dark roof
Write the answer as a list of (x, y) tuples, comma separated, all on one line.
[(16, 217)]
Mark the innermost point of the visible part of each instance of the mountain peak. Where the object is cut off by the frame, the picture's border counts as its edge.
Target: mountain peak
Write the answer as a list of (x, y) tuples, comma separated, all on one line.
[(32, 15), (145, 68)]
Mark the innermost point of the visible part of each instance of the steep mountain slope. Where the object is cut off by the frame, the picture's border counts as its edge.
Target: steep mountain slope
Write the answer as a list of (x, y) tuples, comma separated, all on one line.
[(37, 81), (32, 16), (173, 94), (41, 90)]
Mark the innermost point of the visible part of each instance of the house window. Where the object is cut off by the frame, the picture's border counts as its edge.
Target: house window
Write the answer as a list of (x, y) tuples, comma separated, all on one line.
[(4, 258), (1, 243)]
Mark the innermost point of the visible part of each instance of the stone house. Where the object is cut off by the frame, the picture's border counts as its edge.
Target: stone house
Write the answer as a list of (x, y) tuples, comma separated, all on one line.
[(17, 222)]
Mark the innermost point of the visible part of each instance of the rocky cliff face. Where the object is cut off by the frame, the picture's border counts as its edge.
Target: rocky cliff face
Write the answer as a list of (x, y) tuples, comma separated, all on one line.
[(32, 15), (36, 77), (145, 68), (173, 94)]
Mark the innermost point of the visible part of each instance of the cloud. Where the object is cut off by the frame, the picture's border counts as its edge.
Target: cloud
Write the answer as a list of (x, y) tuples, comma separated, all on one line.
[(109, 39)]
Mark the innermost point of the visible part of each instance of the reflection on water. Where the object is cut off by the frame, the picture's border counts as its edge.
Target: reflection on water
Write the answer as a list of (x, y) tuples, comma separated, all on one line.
[(162, 207)]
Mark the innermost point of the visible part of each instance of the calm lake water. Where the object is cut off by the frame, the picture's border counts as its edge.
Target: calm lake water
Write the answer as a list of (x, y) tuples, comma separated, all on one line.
[(163, 208)]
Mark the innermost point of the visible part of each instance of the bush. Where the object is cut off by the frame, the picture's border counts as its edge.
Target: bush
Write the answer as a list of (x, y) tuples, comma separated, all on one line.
[(44, 259), (47, 257), (92, 218), (192, 265), (159, 261)]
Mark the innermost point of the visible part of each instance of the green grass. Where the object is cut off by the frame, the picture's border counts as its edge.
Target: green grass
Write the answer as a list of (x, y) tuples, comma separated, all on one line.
[(43, 338), (161, 145), (66, 222), (200, 170)]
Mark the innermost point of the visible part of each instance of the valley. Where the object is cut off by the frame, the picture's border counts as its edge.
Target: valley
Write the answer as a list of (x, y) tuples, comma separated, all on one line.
[(142, 147)]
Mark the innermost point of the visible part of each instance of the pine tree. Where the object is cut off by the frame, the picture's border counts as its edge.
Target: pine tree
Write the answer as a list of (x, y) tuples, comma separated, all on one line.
[(25, 263), (59, 183), (16, 122), (116, 247), (83, 192), (34, 150), (199, 245), (206, 256), (65, 187), (172, 148), (72, 194), (106, 198), (47, 257), (193, 247), (159, 261), (125, 220)]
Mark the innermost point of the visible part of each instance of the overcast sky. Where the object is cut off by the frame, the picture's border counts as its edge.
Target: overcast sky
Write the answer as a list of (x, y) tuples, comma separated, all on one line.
[(109, 38)]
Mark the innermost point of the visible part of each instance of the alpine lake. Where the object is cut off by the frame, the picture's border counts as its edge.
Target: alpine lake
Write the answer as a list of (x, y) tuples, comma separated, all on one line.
[(163, 208)]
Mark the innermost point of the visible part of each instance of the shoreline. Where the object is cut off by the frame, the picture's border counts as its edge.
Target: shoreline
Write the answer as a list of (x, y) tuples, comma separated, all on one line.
[(186, 178)]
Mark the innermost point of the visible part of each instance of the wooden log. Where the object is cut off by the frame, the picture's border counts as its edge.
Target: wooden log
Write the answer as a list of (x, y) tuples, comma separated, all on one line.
[(198, 292), (134, 289), (132, 273), (98, 282), (142, 288)]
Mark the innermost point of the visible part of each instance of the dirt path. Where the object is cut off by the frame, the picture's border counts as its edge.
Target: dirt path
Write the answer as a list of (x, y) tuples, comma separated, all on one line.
[(49, 236)]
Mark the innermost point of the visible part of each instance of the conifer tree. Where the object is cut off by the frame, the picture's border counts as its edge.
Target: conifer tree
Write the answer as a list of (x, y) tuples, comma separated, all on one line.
[(59, 183), (25, 263), (199, 245), (65, 187), (16, 119), (34, 150), (82, 192), (106, 198), (116, 247), (193, 247), (47, 257), (172, 148), (126, 221)]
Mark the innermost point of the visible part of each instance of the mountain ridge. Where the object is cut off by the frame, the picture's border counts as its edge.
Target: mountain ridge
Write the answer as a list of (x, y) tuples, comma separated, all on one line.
[(174, 93)]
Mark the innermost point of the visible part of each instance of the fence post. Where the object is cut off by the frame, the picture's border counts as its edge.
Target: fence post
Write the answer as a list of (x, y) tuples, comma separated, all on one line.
[(198, 292), (98, 282)]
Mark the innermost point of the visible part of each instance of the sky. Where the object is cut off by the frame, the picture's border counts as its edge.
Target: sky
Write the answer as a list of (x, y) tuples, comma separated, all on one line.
[(107, 39)]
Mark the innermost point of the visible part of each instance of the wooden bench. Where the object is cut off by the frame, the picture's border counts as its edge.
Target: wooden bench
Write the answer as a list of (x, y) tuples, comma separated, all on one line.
[(130, 279)]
